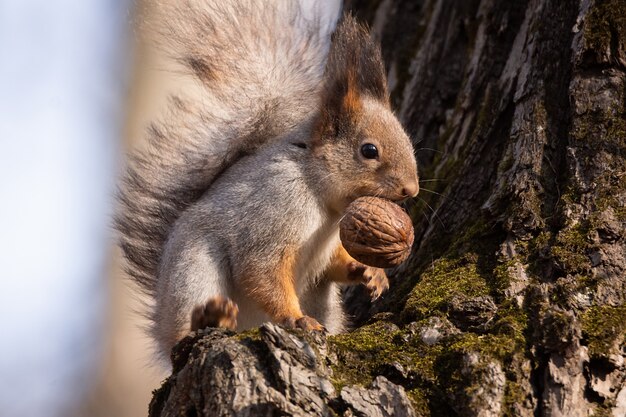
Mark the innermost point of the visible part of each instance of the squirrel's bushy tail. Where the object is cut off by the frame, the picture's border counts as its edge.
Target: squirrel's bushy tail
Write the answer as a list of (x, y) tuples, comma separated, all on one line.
[(260, 64)]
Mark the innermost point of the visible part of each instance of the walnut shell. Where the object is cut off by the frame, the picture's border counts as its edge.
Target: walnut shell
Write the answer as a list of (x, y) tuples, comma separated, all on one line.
[(376, 232)]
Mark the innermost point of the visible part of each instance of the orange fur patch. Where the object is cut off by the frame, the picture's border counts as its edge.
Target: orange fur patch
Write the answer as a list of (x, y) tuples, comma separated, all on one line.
[(338, 269), (339, 108), (351, 103), (274, 288)]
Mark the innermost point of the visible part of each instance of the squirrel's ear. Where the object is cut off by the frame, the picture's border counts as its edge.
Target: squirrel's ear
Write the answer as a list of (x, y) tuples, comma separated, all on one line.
[(354, 70), (340, 109)]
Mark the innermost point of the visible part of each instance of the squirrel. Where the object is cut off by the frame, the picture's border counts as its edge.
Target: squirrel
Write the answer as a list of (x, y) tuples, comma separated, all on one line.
[(230, 217)]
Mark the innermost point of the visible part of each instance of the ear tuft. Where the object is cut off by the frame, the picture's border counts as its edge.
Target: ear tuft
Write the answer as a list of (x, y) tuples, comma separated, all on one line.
[(355, 58), (354, 70)]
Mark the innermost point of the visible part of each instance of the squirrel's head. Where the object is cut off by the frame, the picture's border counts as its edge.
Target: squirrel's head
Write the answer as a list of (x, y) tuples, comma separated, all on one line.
[(357, 138)]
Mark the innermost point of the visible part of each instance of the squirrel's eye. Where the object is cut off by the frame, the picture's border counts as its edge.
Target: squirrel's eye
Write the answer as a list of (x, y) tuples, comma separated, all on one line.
[(369, 151)]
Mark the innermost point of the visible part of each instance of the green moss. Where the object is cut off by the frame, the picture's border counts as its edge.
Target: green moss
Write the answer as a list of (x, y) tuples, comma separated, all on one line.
[(467, 269), (616, 130), (514, 395), (606, 20), (512, 321), (608, 194), (419, 401), (443, 281), (363, 353), (540, 242), (373, 338), (376, 345), (433, 370), (570, 248), (458, 379), (473, 234), (603, 410), (605, 129), (477, 237), (502, 276), (495, 346), (604, 328), (436, 370), (252, 334), (506, 163)]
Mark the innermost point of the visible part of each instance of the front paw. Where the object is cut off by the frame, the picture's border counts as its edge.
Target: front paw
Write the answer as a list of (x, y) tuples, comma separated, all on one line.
[(304, 323), (374, 279)]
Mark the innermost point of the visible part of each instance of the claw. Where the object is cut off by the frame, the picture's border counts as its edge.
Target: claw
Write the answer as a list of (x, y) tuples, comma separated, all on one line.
[(304, 323), (374, 279)]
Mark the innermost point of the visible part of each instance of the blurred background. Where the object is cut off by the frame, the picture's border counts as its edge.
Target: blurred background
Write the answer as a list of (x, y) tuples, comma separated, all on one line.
[(78, 84)]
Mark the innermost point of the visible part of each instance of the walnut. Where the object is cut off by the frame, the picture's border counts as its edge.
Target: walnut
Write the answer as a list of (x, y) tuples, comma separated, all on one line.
[(376, 232)]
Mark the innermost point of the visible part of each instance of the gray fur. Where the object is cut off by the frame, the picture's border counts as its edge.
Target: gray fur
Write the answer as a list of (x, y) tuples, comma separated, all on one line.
[(235, 227)]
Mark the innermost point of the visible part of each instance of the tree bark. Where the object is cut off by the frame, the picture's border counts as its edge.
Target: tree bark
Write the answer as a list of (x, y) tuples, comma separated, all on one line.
[(513, 301)]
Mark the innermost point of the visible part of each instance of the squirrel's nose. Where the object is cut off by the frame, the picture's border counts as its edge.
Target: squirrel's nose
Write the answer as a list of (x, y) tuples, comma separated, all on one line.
[(410, 189)]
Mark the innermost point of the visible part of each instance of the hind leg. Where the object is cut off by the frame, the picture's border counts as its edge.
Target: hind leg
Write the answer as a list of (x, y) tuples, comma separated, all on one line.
[(192, 291), (216, 312), (323, 302)]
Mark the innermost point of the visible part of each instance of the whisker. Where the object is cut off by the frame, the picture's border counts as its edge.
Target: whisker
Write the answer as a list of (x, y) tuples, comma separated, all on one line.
[(409, 203), (434, 212), (445, 196), (430, 223), (433, 180)]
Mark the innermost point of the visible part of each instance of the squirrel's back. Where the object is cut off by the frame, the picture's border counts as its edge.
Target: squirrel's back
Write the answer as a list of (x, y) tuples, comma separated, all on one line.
[(260, 65)]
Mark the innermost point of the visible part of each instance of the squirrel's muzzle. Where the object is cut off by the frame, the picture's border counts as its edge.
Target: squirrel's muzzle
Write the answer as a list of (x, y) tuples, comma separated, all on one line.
[(410, 189)]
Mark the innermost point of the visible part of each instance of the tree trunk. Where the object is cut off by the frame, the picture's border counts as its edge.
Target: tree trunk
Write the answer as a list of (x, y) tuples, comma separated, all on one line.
[(513, 301)]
